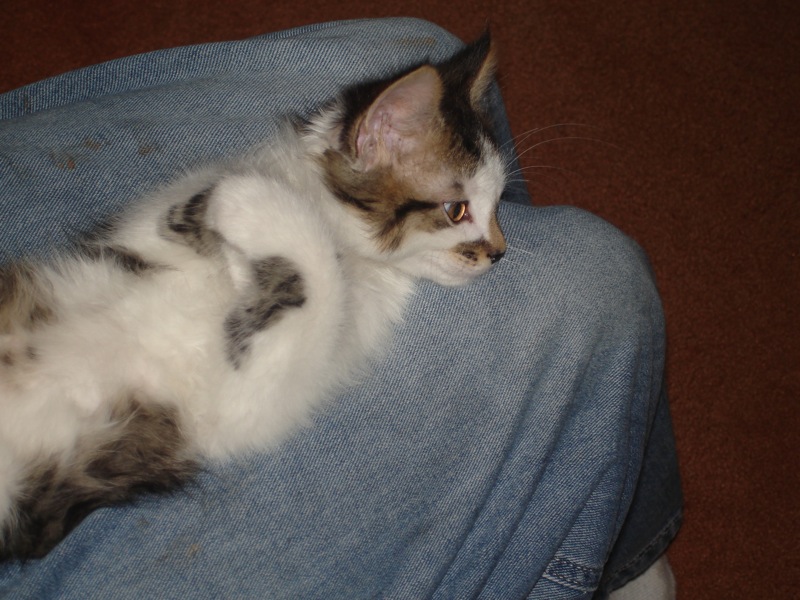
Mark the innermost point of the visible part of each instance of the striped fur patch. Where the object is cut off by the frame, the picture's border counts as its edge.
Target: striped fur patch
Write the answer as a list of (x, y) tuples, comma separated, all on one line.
[(185, 224), (276, 286)]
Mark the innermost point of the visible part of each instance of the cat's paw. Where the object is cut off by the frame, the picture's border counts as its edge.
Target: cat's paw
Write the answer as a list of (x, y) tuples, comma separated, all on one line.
[(186, 223)]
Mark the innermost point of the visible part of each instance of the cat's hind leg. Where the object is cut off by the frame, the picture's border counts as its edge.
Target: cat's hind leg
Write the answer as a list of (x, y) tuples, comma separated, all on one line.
[(140, 449)]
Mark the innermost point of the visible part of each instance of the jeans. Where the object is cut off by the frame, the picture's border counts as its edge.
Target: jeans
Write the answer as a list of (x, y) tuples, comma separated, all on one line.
[(514, 443)]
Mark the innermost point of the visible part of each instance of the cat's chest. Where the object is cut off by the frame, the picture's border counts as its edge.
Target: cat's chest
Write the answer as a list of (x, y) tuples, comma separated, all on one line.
[(378, 296)]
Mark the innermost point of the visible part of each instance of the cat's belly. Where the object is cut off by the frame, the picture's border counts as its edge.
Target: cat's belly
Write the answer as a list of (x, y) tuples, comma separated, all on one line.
[(159, 339)]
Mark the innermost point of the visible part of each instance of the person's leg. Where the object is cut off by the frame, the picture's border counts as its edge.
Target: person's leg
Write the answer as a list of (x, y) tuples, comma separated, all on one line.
[(494, 452)]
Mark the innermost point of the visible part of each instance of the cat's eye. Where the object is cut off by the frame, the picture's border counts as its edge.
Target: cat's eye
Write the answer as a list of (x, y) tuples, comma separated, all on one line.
[(456, 211)]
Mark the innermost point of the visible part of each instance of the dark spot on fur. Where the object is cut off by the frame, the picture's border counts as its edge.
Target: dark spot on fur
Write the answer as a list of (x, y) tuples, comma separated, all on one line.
[(141, 451), (473, 251), (10, 358), (25, 303), (124, 259), (185, 223), (130, 261), (100, 234), (39, 314), (276, 286)]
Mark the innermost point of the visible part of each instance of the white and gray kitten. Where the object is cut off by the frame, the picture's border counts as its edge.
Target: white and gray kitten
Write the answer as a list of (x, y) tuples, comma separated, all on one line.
[(212, 318)]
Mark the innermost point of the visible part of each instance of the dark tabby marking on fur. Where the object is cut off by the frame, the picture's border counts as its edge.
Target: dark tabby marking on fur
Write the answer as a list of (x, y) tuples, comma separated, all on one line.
[(12, 358), (24, 303), (465, 78), (142, 451), (427, 216), (185, 223), (100, 233), (125, 259), (277, 285), (412, 205)]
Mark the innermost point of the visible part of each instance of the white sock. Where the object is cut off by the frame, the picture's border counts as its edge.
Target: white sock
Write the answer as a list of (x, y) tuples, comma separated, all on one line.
[(657, 583)]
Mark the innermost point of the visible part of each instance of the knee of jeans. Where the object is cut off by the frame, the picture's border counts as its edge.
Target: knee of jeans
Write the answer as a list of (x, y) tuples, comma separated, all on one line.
[(600, 273), (415, 31)]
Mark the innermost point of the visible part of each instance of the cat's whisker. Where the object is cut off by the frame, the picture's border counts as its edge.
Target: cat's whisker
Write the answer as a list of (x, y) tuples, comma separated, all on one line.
[(516, 175), (511, 249), (549, 167), (566, 138), (508, 258), (530, 132), (523, 137)]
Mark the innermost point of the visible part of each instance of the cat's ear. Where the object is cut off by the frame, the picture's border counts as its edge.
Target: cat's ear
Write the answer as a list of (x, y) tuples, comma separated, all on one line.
[(486, 58), (397, 121)]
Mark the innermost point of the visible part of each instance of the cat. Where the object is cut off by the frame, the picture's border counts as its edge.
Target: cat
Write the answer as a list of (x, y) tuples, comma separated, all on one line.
[(213, 317)]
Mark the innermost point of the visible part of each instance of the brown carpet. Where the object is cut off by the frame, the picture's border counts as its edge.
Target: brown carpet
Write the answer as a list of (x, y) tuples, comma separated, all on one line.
[(680, 125)]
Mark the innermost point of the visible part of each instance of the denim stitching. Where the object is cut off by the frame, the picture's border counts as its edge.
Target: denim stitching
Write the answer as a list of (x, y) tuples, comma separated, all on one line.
[(589, 582)]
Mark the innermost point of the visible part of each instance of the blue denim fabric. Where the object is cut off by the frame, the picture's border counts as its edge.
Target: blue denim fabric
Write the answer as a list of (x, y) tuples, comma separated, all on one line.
[(516, 441)]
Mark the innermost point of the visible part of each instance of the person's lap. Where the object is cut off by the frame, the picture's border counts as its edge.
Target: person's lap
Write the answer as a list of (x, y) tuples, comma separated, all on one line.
[(493, 451)]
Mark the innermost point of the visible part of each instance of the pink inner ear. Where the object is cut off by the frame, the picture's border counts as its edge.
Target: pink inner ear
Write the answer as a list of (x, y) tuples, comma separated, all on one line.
[(398, 117)]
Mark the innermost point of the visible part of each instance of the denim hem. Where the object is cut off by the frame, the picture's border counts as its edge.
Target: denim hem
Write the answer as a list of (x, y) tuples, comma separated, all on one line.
[(649, 554)]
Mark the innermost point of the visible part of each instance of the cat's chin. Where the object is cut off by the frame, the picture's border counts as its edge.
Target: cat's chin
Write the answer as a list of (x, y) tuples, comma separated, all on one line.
[(457, 280), (450, 277), (444, 268)]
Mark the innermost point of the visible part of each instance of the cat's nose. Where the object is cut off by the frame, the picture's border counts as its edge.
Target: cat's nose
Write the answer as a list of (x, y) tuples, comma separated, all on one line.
[(496, 256)]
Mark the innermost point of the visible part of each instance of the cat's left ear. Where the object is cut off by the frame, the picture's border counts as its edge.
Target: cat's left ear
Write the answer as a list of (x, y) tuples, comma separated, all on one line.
[(471, 71), (486, 58)]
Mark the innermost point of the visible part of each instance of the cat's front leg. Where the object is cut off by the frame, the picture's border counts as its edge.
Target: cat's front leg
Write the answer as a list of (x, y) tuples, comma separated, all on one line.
[(186, 223), (276, 285), (223, 220), (277, 250), (254, 214)]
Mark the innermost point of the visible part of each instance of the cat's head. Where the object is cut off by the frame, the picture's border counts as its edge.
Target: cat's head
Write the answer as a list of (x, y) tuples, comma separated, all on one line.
[(414, 160)]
